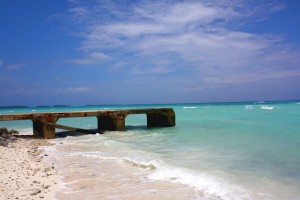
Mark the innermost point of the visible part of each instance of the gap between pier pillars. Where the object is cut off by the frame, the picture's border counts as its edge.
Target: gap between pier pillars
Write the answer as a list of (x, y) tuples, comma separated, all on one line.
[(112, 123)]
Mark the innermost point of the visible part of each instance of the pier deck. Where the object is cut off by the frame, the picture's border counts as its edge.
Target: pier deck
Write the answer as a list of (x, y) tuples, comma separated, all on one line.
[(44, 123)]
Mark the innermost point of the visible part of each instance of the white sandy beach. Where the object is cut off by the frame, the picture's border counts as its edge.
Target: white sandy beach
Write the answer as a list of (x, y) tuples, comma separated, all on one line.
[(24, 174)]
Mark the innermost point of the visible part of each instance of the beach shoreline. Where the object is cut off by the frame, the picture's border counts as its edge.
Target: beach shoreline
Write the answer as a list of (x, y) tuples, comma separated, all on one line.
[(31, 170), (24, 172)]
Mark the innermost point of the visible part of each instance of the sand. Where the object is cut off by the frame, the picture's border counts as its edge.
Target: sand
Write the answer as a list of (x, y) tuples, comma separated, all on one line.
[(24, 173)]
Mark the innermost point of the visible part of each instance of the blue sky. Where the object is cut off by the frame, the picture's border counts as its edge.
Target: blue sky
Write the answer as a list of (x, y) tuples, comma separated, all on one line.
[(81, 52)]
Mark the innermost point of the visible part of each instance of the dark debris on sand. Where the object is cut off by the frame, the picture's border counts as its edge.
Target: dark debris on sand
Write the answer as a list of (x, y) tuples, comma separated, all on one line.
[(7, 137)]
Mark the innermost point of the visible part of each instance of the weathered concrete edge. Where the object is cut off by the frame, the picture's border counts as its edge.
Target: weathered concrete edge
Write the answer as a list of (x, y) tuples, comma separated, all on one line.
[(107, 119)]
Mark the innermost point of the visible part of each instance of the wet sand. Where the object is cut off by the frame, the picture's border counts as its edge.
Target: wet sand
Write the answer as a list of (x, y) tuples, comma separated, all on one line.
[(85, 177)]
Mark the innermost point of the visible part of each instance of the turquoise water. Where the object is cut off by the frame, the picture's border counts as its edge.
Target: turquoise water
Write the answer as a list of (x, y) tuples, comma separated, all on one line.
[(221, 151)]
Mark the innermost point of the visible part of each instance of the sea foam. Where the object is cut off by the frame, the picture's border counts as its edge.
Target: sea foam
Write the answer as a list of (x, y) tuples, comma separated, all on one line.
[(211, 187), (149, 165)]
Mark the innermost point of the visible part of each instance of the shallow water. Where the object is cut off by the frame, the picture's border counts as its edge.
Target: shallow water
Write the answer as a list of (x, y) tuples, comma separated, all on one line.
[(216, 151)]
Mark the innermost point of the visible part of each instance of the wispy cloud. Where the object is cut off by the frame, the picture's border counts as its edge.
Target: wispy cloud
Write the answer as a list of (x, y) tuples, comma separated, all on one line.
[(1, 62), (7, 69), (14, 66), (203, 38), (80, 89), (91, 58), (6, 78), (10, 67)]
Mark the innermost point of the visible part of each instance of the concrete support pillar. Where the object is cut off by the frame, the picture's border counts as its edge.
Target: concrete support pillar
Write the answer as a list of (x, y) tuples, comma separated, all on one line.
[(41, 128), (112, 123), (164, 119)]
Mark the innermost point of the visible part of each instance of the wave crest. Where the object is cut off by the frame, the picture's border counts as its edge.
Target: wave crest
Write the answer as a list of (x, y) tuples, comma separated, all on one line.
[(144, 165)]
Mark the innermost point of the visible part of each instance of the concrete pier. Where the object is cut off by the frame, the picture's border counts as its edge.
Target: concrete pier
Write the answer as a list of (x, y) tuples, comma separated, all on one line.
[(113, 120)]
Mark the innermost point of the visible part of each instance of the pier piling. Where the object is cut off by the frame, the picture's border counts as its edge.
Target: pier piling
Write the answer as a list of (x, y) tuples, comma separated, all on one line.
[(113, 120)]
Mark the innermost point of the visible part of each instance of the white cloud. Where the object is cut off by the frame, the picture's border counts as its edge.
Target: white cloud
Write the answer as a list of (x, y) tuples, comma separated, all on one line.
[(98, 55), (184, 13), (204, 38)]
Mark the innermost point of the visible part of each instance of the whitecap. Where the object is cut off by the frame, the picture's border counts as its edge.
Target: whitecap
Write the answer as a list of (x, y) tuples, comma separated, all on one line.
[(249, 107), (189, 107), (267, 107)]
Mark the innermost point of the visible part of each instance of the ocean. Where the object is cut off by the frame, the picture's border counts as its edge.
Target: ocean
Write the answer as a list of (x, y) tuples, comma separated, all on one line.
[(228, 151)]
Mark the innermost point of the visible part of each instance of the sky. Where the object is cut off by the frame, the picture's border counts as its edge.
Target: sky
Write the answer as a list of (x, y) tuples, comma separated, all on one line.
[(78, 52)]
